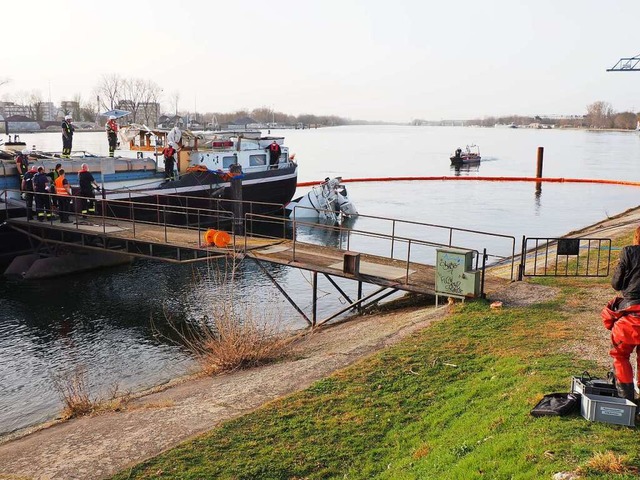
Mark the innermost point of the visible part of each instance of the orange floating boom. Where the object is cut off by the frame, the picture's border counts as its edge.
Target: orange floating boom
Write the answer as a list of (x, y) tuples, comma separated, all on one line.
[(484, 179)]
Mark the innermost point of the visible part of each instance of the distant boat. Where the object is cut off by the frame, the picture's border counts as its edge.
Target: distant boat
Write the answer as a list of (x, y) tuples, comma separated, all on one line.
[(470, 155)]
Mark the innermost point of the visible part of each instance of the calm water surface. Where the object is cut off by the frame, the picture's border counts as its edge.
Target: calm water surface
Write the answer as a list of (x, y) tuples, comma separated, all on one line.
[(103, 320)]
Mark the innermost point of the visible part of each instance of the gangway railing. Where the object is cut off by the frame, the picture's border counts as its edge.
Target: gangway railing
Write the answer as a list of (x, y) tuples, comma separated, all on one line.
[(450, 232)]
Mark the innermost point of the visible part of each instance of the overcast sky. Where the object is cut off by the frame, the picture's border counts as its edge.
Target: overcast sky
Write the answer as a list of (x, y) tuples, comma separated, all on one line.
[(361, 59)]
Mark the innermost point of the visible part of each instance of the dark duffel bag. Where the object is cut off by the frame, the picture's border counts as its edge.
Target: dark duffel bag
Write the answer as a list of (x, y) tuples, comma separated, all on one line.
[(556, 404)]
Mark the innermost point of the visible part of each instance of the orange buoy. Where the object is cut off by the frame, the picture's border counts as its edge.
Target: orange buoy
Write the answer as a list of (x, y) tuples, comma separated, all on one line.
[(218, 238)]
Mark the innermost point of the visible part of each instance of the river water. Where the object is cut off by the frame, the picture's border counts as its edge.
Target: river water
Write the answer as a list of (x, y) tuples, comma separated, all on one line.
[(113, 322)]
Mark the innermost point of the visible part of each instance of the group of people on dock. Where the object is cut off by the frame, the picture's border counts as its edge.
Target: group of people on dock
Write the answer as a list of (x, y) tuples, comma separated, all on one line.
[(52, 193)]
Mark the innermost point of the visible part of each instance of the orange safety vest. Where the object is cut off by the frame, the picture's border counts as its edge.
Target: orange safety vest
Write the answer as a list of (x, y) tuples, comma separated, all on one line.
[(60, 190)]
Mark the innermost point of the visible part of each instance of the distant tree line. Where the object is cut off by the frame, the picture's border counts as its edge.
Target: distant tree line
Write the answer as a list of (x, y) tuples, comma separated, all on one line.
[(144, 99), (599, 115)]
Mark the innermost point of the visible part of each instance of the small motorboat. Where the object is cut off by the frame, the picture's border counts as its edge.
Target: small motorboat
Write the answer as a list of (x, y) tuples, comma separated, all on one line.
[(471, 154), (326, 202)]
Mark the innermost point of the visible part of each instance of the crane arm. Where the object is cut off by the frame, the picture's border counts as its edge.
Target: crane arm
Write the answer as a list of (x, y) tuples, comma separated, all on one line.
[(629, 64)]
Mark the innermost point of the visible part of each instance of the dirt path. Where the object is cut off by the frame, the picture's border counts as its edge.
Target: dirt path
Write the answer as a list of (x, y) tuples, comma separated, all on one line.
[(99, 446)]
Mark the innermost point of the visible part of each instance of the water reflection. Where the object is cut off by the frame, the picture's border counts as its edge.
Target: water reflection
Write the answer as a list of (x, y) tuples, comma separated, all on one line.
[(465, 168)]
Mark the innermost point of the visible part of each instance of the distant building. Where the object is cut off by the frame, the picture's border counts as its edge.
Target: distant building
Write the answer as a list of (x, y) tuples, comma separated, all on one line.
[(69, 107), (20, 124), (10, 109), (243, 122)]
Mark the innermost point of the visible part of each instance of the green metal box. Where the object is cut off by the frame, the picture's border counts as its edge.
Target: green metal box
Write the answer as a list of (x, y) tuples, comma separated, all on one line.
[(455, 276)]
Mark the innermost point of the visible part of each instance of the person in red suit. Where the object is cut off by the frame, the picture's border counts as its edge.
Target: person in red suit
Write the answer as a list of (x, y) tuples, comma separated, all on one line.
[(622, 317)]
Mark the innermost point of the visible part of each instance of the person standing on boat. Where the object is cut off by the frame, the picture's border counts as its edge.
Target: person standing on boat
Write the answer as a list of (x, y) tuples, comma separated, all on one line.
[(274, 154), (27, 188), (41, 188), (53, 175), (175, 135), (67, 136), (169, 160), (112, 134), (87, 184), (63, 190), (22, 163)]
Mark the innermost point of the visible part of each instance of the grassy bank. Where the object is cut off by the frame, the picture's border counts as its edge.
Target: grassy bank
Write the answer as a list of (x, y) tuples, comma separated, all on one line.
[(451, 402)]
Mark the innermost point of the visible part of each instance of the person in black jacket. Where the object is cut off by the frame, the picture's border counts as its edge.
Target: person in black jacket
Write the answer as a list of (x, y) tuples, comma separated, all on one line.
[(67, 136), (87, 184), (27, 188), (43, 200), (626, 276)]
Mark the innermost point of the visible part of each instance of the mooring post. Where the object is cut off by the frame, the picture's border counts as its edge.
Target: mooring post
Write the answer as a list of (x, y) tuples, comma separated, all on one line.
[(314, 307), (236, 197), (539, 168)]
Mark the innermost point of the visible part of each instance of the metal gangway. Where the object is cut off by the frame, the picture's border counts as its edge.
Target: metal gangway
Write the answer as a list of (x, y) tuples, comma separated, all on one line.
[(173, 229)]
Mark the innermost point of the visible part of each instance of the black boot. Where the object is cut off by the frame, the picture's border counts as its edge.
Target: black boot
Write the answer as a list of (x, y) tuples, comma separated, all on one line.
[(626, 390)]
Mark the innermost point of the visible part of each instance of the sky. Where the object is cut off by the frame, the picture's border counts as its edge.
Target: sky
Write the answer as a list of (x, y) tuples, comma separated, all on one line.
[(361, 59)]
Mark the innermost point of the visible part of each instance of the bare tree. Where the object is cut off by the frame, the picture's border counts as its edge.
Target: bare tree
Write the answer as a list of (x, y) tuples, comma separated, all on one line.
[(625, 120), (36, 105), (599, 114), (151, 103), (76, 109), (109, 91)]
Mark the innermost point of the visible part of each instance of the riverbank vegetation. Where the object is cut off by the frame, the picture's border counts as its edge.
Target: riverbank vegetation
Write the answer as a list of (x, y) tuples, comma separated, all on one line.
[(452, 401)]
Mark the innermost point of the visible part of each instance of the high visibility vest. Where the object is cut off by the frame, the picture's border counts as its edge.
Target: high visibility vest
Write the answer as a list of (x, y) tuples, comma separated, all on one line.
[(60, 190), (111, 126)]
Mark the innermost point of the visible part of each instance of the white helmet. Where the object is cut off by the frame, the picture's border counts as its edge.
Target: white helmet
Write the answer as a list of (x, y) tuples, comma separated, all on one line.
[(112, 117), (25, 151), (67, 117)]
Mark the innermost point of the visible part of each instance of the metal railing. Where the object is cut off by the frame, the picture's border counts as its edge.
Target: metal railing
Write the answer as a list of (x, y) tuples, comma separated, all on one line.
[(565, 257)]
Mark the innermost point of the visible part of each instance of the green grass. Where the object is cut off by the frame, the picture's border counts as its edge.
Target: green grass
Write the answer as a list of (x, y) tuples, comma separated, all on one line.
[(451, 402)]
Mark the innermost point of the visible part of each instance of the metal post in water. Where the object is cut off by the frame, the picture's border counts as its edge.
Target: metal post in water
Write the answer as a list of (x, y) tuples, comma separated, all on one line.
[(539, 169), (236, 197)]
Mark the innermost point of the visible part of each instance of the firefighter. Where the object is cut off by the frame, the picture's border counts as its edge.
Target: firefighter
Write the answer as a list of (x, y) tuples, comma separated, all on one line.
[(87, 184), (22, 163), (112, 134), (41, 189), (63, 190), (67, 136), (622, 317), (274, 154), (169, 160), (27, 188)]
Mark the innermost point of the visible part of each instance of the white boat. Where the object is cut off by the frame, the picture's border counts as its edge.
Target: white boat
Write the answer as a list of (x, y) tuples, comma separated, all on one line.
[(328, 202)]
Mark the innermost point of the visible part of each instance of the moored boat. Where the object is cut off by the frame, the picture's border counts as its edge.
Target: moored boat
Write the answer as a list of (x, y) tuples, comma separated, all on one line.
[(205, 166)]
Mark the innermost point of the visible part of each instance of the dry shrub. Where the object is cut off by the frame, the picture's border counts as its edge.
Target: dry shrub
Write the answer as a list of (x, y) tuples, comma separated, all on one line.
[(232, 335), (609, 462), (73, 389), (235, 339)]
